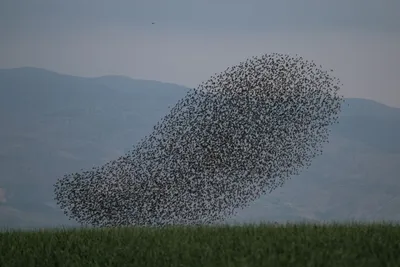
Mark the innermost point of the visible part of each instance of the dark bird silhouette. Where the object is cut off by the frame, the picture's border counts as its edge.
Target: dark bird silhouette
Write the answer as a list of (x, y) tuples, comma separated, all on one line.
[(238, 135)]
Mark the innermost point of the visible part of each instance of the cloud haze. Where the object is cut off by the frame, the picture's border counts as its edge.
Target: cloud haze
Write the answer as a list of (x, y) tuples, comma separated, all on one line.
[(191, 40)]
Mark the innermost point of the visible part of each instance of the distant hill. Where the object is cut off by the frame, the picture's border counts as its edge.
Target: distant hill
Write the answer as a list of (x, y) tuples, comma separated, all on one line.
[(52, 124)]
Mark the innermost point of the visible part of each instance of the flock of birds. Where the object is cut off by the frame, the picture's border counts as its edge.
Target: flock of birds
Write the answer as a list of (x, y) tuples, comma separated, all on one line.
[(235, 137)]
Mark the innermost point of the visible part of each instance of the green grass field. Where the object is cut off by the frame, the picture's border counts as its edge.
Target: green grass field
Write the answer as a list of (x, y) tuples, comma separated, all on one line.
[(305, 245)]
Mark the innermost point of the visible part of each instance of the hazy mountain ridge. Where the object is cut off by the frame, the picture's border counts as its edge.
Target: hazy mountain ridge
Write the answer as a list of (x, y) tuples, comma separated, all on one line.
[(52, 124)]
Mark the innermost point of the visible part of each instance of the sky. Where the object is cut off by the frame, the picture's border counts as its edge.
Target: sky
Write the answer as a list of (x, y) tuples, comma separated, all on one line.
[(193, 39)]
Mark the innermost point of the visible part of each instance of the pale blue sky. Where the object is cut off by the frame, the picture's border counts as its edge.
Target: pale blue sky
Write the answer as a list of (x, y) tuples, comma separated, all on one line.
[(192, 39)]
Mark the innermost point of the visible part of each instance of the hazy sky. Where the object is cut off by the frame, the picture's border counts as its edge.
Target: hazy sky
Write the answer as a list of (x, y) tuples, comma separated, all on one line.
[(193, 39)]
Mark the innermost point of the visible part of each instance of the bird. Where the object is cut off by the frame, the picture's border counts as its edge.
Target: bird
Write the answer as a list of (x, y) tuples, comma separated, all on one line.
[(236, 136)]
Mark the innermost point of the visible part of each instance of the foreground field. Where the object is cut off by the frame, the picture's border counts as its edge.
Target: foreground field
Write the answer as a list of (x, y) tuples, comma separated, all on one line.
[(251, 245)]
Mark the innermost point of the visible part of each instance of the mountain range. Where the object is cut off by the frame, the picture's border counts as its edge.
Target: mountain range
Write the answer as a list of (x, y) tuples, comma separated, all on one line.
[(52, 124)]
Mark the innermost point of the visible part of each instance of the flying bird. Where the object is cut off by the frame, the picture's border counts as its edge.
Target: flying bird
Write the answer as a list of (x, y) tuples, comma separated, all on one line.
[(240, 134)]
